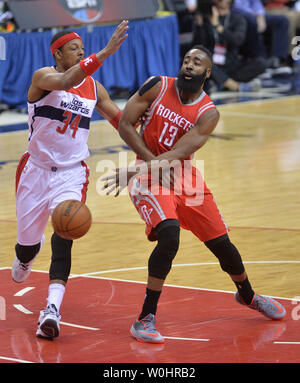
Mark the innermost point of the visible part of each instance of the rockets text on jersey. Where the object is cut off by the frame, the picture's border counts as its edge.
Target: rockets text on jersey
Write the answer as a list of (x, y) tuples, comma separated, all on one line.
[(169, 118)]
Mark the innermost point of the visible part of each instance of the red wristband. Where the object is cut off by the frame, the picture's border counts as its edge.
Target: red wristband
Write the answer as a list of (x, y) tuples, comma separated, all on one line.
[(115, 121), (90, 64)]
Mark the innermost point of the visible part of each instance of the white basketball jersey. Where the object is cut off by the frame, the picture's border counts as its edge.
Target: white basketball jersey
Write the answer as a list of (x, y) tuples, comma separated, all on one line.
[(59, 125)]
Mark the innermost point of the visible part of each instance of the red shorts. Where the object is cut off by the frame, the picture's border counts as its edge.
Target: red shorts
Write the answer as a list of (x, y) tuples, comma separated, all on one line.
[(197, 213)]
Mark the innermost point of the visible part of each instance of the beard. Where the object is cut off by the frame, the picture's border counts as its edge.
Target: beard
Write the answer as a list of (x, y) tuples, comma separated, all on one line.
[(194, 84)]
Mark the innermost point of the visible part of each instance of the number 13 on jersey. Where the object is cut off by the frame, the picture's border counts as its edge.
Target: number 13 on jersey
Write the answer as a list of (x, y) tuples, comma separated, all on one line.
[(168, 134)]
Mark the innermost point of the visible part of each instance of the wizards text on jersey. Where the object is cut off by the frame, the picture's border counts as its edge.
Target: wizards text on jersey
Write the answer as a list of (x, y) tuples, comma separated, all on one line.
[(75, 105)]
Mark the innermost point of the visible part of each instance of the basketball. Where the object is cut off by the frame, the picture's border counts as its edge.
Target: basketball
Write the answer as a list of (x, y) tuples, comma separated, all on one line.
[(71, 219)]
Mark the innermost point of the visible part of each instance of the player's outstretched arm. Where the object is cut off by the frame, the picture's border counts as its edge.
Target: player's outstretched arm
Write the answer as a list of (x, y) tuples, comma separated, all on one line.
[(49, 79), (107, 108)]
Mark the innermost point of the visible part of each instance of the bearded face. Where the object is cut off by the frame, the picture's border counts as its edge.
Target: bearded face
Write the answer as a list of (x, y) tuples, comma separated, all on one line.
[(190, 82)]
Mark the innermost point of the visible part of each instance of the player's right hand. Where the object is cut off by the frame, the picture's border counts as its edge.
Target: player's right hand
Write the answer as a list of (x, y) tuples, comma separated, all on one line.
[(119, 35)]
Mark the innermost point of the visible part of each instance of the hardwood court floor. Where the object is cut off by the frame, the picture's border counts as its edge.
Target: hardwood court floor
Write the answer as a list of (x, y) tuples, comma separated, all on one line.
[(252, 166)]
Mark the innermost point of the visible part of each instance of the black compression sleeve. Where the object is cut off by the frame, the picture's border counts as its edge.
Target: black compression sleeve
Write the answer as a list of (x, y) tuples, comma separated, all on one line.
[(150, 84)]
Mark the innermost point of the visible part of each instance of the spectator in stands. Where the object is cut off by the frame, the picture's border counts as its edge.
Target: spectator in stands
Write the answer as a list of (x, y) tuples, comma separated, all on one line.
[(223, 33), (260, 23), (191, 5), (279, 7), (6, 18)]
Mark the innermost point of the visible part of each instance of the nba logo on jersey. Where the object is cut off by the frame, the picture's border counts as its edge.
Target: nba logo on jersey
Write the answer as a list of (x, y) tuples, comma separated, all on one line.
[(87, 61)]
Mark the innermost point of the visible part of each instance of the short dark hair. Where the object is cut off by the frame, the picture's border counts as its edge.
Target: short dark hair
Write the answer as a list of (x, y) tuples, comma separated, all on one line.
[(59, 34), (205, 50)]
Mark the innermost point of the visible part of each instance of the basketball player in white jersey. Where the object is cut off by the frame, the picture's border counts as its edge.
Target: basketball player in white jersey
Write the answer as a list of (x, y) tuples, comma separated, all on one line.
[(61, 101)]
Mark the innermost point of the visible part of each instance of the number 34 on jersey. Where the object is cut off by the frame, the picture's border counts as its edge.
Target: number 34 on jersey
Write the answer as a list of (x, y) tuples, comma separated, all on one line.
[(68, 123)]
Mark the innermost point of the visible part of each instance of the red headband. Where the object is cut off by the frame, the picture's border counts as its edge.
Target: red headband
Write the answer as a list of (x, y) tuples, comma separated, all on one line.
[(63, 40)]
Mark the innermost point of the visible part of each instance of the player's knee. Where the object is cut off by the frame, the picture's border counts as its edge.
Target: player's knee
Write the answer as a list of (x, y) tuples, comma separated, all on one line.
[(61, 258), (168, 233), (227, 254), (26, 253), (160, 261)]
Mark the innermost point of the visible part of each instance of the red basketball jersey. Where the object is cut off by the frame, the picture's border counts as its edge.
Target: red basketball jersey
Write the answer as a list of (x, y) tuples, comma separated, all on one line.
[(169, 119)]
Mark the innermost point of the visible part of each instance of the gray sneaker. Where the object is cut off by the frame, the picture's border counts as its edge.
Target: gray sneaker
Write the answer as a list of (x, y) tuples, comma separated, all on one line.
[(265, 305), (144, 330), (48, 324)]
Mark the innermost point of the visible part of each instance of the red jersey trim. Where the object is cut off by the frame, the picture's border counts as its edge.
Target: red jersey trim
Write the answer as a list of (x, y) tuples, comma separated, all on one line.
[(21, 165), (204, 108), (85, 185), (86, 89)]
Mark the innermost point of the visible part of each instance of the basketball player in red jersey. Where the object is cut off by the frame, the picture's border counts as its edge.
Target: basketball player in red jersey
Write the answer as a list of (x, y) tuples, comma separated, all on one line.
[(180, 121), (61, 101)]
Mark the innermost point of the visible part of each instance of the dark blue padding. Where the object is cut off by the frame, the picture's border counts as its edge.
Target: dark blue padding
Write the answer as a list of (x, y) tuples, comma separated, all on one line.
[(152, 48)]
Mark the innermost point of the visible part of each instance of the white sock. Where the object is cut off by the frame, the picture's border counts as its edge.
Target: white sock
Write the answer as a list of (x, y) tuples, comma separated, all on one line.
[(55, 294)]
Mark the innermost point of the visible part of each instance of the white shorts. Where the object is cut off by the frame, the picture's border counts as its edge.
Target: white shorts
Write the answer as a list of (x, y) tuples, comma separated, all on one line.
[(39, 190)]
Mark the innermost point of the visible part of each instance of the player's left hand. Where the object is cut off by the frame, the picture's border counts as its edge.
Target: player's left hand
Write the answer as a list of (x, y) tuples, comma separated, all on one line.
[(118, 181)]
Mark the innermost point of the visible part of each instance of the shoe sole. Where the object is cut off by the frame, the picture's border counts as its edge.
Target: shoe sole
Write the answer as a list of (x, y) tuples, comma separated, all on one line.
[(18, 281), (50, 328), (41, 336)]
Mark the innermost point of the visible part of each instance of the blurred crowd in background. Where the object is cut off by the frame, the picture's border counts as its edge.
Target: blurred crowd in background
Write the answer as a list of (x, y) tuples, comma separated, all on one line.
[(250, 40)]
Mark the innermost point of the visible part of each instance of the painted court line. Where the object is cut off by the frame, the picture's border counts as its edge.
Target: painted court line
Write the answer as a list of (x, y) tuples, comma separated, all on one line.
[(286, 342), (22, 309), (26, 311), (175, 265), (181, 287), (294, 299), (176, 338), (23, 291), (256, 102), (15, 360), (260, 115), (141, 223), (232, 227), (80, 326)]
